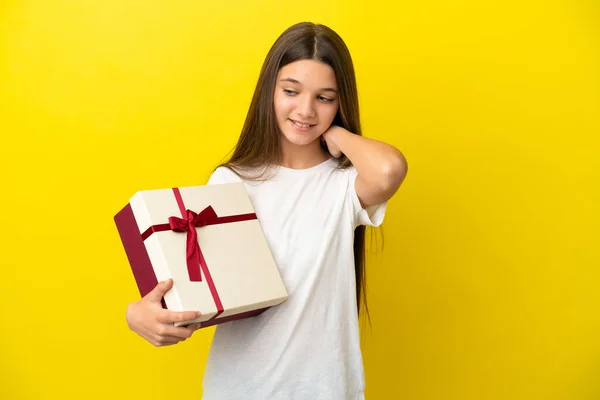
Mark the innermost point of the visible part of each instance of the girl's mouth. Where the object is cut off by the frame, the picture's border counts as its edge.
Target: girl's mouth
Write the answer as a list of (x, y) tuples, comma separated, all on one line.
[(301, 125)]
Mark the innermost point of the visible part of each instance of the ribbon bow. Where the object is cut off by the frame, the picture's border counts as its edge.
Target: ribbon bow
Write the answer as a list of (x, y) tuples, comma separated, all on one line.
[(189, 224)]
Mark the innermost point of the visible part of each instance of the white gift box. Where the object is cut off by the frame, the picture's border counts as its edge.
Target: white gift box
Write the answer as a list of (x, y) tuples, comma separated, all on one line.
[(226, 271)]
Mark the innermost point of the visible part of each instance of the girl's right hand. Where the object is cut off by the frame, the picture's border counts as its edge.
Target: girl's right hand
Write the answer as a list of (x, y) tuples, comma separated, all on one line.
[(147, 318)]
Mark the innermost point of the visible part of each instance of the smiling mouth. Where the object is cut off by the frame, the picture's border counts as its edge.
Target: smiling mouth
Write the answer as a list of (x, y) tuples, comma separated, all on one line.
[(301, 125)]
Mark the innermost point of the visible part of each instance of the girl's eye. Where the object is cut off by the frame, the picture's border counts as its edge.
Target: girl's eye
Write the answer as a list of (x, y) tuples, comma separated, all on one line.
[(289, 92), (325, 99)]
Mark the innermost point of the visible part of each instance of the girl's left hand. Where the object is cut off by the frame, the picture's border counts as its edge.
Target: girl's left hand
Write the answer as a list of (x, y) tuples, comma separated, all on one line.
[(328, 135)]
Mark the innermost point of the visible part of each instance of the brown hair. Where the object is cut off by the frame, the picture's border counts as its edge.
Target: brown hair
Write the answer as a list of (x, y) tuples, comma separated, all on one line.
[(259, 142)]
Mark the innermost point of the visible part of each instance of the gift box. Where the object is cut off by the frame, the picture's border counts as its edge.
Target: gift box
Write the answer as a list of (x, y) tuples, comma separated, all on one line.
[(208, 240)]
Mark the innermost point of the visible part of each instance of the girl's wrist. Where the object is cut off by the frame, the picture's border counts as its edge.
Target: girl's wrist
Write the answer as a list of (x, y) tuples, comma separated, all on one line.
[(336, 134)]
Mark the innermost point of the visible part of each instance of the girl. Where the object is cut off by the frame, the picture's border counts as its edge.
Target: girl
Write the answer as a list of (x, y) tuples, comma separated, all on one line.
[(315, 183)]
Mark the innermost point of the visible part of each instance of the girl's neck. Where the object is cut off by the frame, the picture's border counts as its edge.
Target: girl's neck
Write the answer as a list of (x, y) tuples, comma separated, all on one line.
[(302, 157)]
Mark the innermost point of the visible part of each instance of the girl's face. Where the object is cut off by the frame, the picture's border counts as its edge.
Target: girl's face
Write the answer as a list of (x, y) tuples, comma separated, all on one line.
[(306, 100)]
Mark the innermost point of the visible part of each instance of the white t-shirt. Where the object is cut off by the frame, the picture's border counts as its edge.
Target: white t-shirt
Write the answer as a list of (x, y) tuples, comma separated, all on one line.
[(308, 347)]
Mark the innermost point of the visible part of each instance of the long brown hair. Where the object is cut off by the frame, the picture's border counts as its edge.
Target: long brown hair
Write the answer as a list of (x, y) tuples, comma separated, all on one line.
[(259, 143)]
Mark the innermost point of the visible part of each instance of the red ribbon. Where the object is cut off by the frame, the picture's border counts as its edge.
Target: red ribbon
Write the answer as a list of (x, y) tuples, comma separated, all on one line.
[(192, 247), (188, 223)]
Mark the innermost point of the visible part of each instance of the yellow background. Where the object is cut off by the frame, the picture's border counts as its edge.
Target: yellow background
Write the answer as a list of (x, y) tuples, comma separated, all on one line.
[(488, 284)]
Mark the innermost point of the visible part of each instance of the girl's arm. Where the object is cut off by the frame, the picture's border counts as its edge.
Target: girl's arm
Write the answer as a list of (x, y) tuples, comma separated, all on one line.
[(381, 167)]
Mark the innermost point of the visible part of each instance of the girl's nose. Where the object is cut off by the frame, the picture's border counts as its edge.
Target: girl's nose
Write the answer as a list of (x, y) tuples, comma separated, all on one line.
[(306, 108)]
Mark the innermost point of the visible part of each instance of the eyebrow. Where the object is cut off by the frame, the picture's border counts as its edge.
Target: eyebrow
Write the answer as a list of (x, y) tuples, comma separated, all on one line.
[(292, 80)]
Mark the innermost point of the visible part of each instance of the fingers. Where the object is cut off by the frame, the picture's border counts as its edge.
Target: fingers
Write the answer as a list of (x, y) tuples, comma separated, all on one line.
[(178, 332), (169, 317), (164, 332), (159, 290), (166, 335), (155, 324), (165, 341), (195, 327)]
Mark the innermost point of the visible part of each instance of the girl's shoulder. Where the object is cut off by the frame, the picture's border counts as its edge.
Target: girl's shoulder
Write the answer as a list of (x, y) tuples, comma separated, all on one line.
[(227, 174), (223, 174)]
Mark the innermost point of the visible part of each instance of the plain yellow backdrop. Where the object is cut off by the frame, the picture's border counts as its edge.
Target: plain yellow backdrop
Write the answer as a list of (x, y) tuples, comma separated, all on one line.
[(488, 285)]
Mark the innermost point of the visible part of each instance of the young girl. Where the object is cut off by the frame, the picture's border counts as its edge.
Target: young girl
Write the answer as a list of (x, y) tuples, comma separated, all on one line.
[(315, 183)]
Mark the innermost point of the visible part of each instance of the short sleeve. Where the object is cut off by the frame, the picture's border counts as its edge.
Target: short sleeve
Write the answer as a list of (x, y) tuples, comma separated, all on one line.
[(372, 215), (223, 175)]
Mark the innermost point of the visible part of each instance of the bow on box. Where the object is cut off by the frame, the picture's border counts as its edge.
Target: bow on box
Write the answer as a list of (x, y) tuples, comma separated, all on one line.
[(188, 222), (192, 248)]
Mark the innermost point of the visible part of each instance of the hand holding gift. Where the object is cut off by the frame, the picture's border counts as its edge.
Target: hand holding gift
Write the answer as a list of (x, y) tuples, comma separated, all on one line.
[(205, 246), (150, 320)]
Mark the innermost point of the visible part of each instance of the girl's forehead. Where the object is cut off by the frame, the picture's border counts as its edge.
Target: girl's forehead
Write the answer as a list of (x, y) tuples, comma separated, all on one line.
[(310, 73)]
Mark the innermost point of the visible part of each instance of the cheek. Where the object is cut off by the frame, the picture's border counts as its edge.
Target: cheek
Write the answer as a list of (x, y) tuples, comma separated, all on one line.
[(283, 105), (328, 113)]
